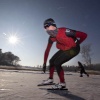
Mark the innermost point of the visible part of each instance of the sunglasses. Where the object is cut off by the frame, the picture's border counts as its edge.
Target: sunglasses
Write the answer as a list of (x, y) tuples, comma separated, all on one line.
[(47, 25)]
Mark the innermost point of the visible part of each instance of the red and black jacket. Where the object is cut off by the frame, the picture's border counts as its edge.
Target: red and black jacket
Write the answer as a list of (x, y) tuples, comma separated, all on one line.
[(65, 40)]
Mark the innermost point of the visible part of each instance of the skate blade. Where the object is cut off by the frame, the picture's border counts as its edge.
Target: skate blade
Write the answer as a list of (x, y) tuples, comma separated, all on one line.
[(45, 84), (57, 89)]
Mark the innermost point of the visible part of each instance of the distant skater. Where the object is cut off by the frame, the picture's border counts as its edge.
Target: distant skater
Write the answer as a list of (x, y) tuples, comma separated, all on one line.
[(82, 70)]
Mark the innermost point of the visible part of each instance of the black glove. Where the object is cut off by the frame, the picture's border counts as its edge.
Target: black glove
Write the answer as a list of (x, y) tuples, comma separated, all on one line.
[(44, 67)]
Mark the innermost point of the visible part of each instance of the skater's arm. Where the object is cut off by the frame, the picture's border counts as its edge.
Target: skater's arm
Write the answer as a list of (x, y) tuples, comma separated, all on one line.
[(81, 35), (47, 52), (49, 45), (77, 34)]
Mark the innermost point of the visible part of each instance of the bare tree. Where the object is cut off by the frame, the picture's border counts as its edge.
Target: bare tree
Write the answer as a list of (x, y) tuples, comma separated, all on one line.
[(86, 53)]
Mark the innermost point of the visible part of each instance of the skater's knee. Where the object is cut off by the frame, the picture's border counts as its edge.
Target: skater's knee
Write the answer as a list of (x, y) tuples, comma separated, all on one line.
[(51, 63), (56, 63), (57, 66)]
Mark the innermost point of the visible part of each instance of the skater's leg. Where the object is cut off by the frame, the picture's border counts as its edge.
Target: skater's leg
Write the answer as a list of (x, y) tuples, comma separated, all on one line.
[(60, 72), (81, 73), (51, 64), (51, 68), (62, 58), (86, 73), (51, 72)]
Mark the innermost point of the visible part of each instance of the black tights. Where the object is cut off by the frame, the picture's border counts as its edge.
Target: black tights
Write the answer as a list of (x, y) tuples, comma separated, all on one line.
[(61, 57)]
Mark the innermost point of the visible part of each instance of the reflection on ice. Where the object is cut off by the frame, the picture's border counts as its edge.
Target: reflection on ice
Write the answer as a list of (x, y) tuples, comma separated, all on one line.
[(4, 89)]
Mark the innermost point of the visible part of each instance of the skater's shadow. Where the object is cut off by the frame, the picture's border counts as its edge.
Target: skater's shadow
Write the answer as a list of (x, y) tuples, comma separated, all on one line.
[(68, 74), (63, 93)]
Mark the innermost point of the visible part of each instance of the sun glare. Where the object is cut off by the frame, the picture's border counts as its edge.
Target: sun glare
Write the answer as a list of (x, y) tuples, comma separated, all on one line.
[(13, 39)]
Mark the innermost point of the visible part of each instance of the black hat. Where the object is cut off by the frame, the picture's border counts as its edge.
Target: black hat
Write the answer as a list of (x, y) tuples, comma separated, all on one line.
[(49, 22)]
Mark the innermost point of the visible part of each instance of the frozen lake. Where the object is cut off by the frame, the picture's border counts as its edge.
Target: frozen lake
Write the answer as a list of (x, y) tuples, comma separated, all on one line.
[(22, 85)]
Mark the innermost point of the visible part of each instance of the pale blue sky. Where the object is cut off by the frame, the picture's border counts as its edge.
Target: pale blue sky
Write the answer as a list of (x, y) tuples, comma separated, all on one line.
[(26, 17)]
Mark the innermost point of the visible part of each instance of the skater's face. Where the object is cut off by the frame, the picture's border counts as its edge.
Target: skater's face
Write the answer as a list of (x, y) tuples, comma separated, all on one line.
[(51, 30)]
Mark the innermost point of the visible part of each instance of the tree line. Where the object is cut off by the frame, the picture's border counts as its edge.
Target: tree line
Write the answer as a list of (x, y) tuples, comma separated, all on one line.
[(95, 67), (8, 58)]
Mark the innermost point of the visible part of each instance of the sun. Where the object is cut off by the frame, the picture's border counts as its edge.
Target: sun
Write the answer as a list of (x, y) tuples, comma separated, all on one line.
[(13, 39)]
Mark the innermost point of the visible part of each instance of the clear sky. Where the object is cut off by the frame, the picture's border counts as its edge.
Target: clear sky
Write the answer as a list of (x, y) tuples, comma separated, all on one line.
[(24, 18)]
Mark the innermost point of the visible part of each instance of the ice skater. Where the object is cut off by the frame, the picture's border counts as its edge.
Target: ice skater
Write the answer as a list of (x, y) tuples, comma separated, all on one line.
[(68, 42), (82, 70)]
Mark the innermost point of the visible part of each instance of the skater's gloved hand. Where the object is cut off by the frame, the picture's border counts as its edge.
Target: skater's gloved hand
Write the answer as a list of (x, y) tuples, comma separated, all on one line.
[(44, 67)]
